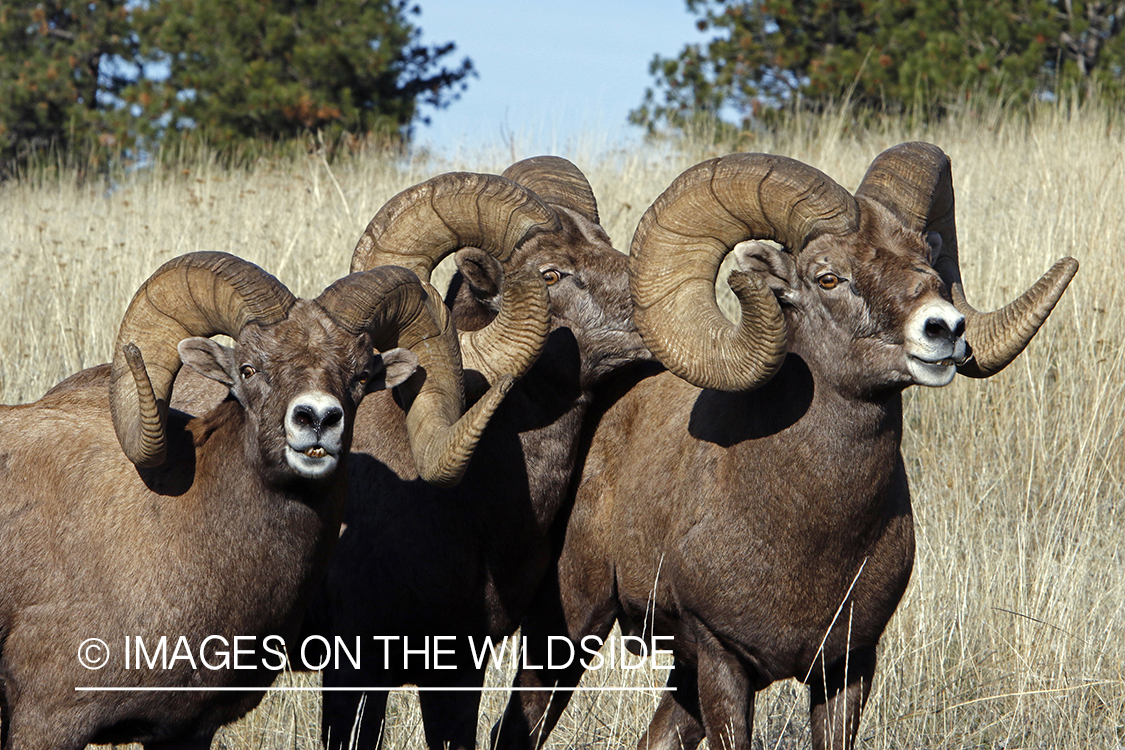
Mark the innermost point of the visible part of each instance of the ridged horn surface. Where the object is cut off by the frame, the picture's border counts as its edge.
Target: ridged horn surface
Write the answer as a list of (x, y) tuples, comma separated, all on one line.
[(393, 306), (915, 181), (557, 181), (998, 337), (199, 294), (683, 238), (423, 224)]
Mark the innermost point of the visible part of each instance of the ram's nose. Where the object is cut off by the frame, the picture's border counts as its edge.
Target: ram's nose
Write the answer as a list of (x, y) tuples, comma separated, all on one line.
[(935, 343), (944, 326), (316, 417), (314, 432)]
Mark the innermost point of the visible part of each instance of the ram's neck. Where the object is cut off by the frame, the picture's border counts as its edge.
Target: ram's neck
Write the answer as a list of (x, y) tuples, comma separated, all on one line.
[(282, 531), (812, 437), (547, 417)]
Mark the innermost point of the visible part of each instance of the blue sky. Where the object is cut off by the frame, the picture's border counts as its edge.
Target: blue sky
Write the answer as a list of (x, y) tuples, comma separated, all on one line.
[(549, 72)]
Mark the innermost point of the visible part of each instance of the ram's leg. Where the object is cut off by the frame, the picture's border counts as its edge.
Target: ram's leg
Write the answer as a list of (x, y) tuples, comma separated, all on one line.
[(837, 697), (25, 733), (36, 717), (532, 714), (450, 719), (677, 723), (726, 700), (352, 717)]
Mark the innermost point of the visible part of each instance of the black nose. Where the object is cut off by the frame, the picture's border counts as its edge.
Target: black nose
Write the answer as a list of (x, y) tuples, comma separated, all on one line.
[(938, 328), (309, 417)]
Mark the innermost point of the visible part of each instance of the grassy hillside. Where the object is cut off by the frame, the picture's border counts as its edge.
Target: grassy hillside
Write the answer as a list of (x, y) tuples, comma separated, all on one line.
[(1012, 633)]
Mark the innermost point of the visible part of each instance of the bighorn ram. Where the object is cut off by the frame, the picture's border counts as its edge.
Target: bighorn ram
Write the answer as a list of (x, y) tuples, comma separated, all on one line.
[(124, 521), (415, 561), (752, 501)]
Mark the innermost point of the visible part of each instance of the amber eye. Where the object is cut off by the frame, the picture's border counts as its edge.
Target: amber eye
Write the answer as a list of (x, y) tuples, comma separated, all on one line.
[(828, 281), (552, 276), (362, 377), (247, 371)]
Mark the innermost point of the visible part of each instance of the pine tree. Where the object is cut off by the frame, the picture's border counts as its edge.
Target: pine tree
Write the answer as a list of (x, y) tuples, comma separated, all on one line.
[(886, 54), (76, 75), (57, 75), (276, 70)]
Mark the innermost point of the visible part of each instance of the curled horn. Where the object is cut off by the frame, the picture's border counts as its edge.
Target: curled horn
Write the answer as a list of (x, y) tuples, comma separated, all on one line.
[(684, 236), (557, 181), (396, 310), (423, 224), (915, 181), (199, 294)]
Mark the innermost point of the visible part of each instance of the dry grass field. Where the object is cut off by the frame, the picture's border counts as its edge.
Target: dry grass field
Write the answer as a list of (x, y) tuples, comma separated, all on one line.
[(1012, 633)]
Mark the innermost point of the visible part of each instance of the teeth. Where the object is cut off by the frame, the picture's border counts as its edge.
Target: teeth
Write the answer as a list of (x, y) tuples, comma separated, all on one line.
[(947, 362), (316, 452)]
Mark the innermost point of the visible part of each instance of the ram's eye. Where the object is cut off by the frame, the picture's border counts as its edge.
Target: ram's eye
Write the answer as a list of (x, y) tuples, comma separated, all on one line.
[(247, 371), (363, 377), (828, 281), (552, 276)]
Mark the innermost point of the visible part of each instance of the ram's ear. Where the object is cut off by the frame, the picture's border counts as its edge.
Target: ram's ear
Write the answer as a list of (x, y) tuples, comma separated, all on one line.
[(933, 242), (209, 358), (395, 366), (482, 273), (772, 263)]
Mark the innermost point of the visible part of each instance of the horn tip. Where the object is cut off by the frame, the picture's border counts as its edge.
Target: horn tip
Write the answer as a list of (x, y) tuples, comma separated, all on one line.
[(1060, 275), (132, 353)]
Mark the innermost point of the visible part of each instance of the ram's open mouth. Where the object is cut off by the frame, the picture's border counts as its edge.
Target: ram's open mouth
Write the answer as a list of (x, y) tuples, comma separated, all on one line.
[(932, 372), (314, 461), (312, 452), (946, 362)]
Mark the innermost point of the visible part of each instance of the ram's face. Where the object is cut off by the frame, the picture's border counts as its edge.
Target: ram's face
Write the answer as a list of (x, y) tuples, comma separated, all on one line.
[(588, 283), (300, 382), (870, 309), (592, 328)]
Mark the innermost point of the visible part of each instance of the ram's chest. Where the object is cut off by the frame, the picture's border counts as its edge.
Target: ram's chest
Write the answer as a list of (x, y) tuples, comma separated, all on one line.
[(778, 571)]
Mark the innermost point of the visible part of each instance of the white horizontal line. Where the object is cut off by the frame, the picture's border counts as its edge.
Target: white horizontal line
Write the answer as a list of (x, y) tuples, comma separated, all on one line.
[(373, 689)]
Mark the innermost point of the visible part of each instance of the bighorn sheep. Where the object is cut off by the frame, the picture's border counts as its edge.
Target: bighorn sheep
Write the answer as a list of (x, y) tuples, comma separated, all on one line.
[(126, 521), (416, 561), (752, 500)]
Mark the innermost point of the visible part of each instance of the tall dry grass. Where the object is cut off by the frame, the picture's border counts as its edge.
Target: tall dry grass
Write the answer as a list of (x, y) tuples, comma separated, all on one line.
[(1012, 633)]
